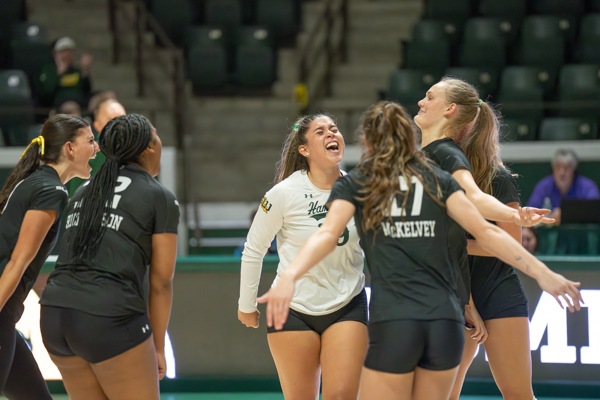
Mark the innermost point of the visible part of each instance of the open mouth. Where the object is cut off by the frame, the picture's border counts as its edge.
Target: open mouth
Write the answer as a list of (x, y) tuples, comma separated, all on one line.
[(333, 147)]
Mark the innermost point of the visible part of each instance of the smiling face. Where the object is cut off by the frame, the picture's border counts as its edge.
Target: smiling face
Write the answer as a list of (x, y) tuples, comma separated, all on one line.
[(433, 108), (325, 145), (81, 150)]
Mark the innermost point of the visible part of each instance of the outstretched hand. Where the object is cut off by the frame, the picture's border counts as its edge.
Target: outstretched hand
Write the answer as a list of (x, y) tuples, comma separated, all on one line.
[(278, 300), (530, 216), (559, 286)]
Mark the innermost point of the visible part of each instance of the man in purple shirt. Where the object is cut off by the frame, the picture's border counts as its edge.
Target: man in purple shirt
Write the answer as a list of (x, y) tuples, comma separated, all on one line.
[(563, 183)]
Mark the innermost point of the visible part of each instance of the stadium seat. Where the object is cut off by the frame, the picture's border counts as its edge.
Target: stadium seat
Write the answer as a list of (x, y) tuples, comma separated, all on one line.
[(223, 12), (280, 17), (580, 82), (431, 30), (593, 6), (588, 45), (511, 10), (207, 55), (408, 87), (558, 7), (255, 57), (518, 129), (30, 49), (430, 56), (457, 11), (521, 85), (549, 26), (568, 129), (485, 82), (489, 54), (174, 16), (16, 107)]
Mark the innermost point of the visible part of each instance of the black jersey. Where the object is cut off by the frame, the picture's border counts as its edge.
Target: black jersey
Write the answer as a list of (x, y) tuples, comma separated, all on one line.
[(412, 276), (494, 284), (450, 157), (111, 283), (42, 190)]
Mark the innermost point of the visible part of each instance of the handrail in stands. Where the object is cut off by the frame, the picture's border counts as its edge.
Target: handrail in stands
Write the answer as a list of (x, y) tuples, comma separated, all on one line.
[(321, 41)]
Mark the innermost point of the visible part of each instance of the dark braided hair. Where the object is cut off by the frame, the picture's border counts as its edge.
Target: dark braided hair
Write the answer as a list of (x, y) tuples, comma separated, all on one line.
[(291, 159), (56, 131), (122, 140)]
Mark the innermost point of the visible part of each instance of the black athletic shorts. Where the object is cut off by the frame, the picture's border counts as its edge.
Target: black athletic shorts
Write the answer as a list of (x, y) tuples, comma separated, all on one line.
[(67, 332), (356, 310), (399, 346)]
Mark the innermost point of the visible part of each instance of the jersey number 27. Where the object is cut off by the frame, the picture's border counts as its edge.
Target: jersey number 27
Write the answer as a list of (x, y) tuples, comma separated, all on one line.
[(398, 211)]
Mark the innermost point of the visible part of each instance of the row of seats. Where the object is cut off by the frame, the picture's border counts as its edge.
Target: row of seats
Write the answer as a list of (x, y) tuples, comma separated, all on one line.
[(219, 55), (520, 89), (545, 41), (549, 129), (458, 11), (16, 108), (281, 17)]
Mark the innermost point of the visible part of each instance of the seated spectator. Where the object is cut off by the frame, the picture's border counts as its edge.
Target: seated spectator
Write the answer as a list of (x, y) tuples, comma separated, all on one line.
[(69, 107), (62, 81), (105, 111), (564, 182), (529, 239)]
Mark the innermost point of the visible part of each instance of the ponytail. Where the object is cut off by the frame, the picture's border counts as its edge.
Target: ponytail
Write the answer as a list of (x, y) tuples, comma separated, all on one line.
[(122, 140), (291, 160), (45, 149)]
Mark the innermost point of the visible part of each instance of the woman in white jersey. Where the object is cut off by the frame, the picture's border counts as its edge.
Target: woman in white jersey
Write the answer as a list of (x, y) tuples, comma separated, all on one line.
[(326, 332)]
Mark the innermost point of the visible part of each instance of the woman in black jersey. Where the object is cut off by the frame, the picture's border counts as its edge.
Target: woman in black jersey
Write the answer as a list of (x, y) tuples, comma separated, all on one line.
[(105, 338), (460, 132), (402, 205), (31, 203)]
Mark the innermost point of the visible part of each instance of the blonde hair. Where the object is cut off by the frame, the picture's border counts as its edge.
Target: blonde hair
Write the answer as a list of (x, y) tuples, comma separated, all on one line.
[(476, 129), (392, 151)]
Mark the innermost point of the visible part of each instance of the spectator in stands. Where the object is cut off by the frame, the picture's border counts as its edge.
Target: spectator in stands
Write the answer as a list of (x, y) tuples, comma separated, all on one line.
[(564, 182), (529, 239), (105, 111), (70, 107), (61, 80)]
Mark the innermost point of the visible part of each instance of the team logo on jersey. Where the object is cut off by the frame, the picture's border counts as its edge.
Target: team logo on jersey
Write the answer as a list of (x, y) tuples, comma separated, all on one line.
[(345, 236), (315, 208), (265, 205)]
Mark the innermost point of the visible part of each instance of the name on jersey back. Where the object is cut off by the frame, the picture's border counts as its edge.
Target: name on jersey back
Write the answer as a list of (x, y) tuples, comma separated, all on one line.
[(409, 229)]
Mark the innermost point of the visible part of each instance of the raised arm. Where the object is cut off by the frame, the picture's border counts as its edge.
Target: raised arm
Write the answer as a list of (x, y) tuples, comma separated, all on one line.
[(503, 246), (34, 229), (162, 268), (493, 209), (316, 248)]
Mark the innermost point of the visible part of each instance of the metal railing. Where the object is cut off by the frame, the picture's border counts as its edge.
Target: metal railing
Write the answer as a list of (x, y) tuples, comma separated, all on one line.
[(325, 44)]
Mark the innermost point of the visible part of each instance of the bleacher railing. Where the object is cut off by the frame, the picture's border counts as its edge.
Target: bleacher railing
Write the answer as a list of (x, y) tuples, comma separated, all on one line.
[(325, 44)]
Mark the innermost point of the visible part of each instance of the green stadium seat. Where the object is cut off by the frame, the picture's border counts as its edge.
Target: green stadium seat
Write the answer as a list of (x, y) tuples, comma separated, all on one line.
[(568, 129), (580, 82), (255, 57), (558, 7), (593, 6), (521, 85), (457, 11), (511, 10), (588, 45), (486, 82), (518, 129), (430, 56), (489, 55), (223, 12), (280, 17), (408, 87), (174, 16), (30, 49), (207, 56), (431, 30), (16, 107)]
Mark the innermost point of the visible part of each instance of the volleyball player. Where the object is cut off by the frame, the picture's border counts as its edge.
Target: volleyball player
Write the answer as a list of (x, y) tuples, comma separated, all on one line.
[(326, 333), (460, 133), (31, 203), (402, 205), (105, 338)]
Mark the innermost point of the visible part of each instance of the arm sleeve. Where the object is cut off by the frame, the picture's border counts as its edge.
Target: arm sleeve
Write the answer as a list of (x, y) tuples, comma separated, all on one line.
[(343, 189), (267, 223), (447, 183), (506, 190), (50, 198), (592, 190), (166, 212)]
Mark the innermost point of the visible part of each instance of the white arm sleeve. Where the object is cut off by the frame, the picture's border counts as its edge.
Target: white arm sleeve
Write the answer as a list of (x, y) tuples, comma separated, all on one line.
[(267, 222)]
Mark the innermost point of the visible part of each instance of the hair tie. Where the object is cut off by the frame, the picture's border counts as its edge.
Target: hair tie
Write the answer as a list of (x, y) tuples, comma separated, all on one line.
[(295, 127), (114, 158), (479, 104), (40, 142)]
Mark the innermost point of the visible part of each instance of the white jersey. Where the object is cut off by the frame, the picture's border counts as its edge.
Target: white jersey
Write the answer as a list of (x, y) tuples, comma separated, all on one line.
[(293, 210)]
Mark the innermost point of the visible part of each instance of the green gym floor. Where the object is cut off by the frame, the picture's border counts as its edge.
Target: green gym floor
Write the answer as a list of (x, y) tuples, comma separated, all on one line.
[(269, 396)]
